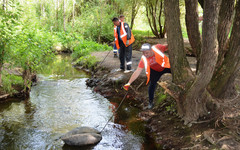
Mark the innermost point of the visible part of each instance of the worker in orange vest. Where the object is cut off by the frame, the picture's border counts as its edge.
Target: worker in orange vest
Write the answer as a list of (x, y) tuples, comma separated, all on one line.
[(123, 40), (115, 50), (156, 63)]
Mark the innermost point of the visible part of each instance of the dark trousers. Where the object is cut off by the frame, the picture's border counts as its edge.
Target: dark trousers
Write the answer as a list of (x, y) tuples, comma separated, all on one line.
[(154, 77), (125, 53)]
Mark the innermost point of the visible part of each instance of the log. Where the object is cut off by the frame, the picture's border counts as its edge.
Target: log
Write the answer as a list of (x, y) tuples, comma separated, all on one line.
[(4, 96), (165, 86)]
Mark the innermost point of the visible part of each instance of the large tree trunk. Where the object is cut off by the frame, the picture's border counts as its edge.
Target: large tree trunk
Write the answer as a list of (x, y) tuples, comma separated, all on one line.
[(181, 71), (222, 84), (197, 96), (193, 27), (224, 25)]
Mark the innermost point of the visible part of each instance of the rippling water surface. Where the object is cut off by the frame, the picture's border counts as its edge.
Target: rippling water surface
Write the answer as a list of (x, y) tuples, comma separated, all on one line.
[(59, 103)]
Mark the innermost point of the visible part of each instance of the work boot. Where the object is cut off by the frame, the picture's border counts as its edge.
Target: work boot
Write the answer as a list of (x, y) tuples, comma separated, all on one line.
[(127, 71), (119, 70), (115, 55), (150, 105)]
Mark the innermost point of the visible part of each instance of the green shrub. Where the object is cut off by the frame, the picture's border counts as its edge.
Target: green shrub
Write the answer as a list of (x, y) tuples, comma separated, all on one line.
[(84, 48), (9, 81), (87, 61), (161, 98)]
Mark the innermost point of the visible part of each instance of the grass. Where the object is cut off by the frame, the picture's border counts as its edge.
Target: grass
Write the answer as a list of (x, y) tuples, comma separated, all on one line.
[(141, 33), (9, 81)]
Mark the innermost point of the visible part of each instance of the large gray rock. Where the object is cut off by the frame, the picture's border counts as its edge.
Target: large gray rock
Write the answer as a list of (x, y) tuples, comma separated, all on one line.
[(82, 136)]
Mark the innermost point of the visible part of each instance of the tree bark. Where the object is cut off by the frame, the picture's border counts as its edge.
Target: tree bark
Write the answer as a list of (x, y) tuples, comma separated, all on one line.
[(181, 71), (73, 13), (3, 5), (224, 25), (197, 96), (193, 27), (135, 8), (56, 9), (222, 83), (201, 2), (2, 49), (64, 17)]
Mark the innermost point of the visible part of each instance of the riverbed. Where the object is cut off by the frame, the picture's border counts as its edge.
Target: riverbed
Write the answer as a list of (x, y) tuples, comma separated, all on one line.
[(60, 102)]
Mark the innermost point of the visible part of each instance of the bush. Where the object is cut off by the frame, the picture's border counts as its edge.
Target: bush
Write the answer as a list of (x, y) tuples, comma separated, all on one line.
[(84, 48), (81, 53), (9, 81)]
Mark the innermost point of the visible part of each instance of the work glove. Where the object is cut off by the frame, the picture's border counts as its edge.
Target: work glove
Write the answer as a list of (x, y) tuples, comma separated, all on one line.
[(126, 86), (127, 43)]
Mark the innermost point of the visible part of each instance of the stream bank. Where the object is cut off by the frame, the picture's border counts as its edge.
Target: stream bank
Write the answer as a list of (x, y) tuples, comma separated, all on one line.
[(162, 123)]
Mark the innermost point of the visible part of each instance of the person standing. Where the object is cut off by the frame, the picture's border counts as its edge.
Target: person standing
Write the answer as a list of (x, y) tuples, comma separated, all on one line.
[(156, 63), (123, 40), (115, 50), (121, 18)]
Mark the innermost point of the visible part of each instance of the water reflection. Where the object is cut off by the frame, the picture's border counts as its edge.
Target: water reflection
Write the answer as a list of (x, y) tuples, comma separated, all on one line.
[(60, 102)]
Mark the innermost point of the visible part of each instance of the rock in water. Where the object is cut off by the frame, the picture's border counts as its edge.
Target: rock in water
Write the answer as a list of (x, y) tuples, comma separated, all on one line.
[(82, 136)]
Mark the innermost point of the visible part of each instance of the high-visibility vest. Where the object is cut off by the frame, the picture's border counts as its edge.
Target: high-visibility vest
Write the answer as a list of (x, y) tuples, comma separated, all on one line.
[(161, 59), (123, 36)]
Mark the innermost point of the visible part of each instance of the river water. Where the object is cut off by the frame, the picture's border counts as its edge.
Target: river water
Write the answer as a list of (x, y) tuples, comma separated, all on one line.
[(60, 102)]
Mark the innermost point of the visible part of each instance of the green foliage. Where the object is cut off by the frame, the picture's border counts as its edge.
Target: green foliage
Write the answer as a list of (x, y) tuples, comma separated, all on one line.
[(32, 47), (161, 98), (95, 23), (87, 61), (142, 33), (85, 47), (9, 81), (8, 23), (67, 40), (171, 108), (81, 53)]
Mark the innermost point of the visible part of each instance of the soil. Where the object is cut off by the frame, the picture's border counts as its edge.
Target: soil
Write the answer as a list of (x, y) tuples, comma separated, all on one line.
[(214, 131)]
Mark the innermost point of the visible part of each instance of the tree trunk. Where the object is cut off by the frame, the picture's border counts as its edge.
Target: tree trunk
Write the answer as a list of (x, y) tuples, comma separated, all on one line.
[(56, 9), (193, 27), (181, 71), (197, 96), (162, 30), (222, 84), (64, 17), (73, 13), (153, 13), (201, 2), (224, 25), (2, 48), (3, 5), (135, 8)]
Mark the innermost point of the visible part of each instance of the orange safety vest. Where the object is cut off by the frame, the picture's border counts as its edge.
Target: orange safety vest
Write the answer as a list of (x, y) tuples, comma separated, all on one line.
[(161, 59), (123, 36)]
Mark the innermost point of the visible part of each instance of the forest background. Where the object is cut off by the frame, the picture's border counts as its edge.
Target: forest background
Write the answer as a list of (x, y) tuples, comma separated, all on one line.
[(32, 31)]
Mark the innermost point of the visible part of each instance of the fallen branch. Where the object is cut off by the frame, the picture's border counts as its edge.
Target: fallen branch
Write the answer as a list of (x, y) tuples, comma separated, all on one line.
[(4, 96), (165, 85)]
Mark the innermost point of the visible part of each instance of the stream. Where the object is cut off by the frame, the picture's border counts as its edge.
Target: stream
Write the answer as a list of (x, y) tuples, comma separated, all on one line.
[(60, 102)]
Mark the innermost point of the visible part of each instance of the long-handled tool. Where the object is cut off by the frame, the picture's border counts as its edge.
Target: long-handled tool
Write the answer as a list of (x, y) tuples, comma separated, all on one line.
[(95, 71), (115, 111)]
